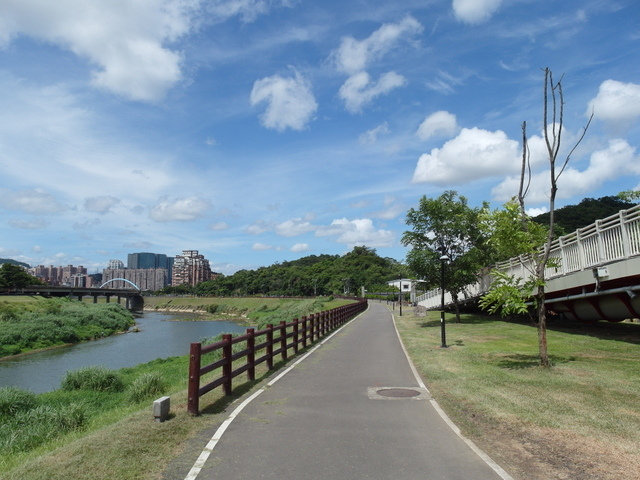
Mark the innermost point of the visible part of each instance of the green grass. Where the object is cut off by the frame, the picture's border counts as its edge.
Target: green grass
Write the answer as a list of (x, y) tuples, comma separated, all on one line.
[(257, 311), (31, 325), (490, 376)]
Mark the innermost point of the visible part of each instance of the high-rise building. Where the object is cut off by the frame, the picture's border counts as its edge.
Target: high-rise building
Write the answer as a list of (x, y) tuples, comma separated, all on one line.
[(144, 278), (57, 276), (190, 268), (150, 261), (115, 264)]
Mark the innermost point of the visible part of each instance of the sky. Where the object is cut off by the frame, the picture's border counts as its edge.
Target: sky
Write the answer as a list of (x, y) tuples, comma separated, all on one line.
[(263, 131)]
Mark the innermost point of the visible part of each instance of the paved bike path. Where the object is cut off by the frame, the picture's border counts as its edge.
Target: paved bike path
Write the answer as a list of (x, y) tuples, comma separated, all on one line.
[(331, 417)]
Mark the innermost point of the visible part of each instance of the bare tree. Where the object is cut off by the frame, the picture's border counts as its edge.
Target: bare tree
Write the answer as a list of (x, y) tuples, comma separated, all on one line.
[(553, 120)]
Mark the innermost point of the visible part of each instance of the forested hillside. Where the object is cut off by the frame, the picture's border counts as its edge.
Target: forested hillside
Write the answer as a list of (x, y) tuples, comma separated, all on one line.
[(14, 262), (572, 217), (308, 276)]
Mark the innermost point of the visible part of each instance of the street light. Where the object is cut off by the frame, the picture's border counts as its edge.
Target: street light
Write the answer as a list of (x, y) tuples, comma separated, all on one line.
[(443, 335)]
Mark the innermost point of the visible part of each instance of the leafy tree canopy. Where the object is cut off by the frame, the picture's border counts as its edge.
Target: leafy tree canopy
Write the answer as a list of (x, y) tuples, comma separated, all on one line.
[(14, 276), (446, 226), (572, 217), (308, 276)]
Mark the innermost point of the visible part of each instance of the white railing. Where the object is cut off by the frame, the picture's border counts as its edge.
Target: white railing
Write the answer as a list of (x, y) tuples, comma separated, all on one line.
[(608, 240)]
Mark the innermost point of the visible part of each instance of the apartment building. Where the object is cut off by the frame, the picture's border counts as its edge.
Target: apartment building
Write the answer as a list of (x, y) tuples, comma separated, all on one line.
[(59, 276), (190, 268), (144, 278)]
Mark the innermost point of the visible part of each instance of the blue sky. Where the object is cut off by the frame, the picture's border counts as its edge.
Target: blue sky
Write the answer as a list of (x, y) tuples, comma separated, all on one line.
[(258, 131)]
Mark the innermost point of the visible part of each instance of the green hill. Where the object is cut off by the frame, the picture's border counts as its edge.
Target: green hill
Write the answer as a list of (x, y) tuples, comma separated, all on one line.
[(573, 217)]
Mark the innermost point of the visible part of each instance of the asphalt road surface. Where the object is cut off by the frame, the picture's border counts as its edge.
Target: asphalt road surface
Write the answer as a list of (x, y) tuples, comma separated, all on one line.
[(352, 409)]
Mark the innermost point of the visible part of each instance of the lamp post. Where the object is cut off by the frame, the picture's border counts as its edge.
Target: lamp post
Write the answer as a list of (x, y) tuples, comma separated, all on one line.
[(443, 334)]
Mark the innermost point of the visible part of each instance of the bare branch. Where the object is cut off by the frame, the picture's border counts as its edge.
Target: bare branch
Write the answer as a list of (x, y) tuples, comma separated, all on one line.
[(584, 132)]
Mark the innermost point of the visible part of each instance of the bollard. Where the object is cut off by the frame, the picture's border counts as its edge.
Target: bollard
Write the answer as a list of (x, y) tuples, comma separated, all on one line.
[(161, 408)]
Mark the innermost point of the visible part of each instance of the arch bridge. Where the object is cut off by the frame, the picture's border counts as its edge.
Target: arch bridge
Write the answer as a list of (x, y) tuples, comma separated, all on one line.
[(132, 297), (598, 277)]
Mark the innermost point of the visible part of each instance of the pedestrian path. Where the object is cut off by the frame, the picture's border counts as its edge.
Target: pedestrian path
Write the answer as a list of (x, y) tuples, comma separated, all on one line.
[(352, 409)]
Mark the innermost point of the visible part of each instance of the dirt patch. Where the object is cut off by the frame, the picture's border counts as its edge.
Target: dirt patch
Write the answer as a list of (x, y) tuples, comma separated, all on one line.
[(534, 453)]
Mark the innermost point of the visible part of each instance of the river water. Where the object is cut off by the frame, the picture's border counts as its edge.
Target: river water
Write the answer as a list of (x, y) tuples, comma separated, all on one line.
[(159, 337)]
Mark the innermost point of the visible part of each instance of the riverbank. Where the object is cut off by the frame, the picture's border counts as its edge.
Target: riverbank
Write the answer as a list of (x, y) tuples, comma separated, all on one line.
[(37, 325)]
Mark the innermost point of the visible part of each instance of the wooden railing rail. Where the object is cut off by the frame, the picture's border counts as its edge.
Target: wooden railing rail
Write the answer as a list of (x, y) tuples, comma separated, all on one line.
[(282, 339)]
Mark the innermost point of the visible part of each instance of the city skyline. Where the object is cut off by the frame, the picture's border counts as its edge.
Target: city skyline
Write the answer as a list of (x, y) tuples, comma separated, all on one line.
[(264, 131)]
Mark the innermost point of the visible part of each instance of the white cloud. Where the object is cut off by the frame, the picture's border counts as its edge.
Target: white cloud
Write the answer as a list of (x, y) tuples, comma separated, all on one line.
[(293, 227), (126, 40), (261, 247), (371, 136), (180, 210), (219, 226), (357, 232), (100, 205), (475, 11), (534, 212), (36, 202), (359, 91), (354, 56), (616, 102), (392, 208), (617, 160), (473, 154), (60, 139), (300, 247), (360, 204), (290, 101), (248, 10), (259, 227), (34, 224), (86, 224), (438, 124)]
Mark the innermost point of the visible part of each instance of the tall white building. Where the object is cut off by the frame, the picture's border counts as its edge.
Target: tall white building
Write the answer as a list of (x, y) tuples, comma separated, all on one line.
[(190, 268)]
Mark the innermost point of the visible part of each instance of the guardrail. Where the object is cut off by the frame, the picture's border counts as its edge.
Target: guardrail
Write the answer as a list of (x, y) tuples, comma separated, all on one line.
[(278, 340)]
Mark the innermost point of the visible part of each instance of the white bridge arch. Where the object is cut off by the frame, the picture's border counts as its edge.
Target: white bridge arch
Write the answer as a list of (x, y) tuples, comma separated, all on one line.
[(122, 279)]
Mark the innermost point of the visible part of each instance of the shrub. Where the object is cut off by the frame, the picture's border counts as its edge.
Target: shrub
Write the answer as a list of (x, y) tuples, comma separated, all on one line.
[(96, 378), (145, 386), (14, 400), (30, 429)]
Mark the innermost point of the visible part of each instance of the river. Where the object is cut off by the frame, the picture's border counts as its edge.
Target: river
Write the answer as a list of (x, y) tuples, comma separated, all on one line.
[(159, 337)]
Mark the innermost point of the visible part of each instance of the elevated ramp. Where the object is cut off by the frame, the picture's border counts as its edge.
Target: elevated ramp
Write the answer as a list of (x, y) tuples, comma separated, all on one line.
[(598, 277)]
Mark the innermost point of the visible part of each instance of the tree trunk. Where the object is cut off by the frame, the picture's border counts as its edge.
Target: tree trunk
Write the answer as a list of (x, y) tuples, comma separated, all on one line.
[(542, 328), (454, 297)]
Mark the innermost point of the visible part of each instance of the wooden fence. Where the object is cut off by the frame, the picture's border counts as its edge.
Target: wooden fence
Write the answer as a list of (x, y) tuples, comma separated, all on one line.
[(267, 343)]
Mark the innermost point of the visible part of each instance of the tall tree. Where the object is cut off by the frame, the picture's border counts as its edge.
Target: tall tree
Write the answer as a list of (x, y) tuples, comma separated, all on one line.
[(14, 276), (505, 291), (446, 225)]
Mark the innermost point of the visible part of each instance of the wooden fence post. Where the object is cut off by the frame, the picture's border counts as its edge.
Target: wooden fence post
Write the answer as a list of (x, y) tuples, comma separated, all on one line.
[(283, 339), (270, 346), (227, 367), (193, 395), (305, 331), (296, 328), (251, 356)]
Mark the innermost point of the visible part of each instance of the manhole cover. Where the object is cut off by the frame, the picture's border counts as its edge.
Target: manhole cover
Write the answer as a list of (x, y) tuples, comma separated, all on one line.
[(398, 392)]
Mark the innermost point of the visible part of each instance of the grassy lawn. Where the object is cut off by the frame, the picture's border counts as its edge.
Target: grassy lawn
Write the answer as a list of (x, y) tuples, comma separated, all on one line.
[(579, 419)]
